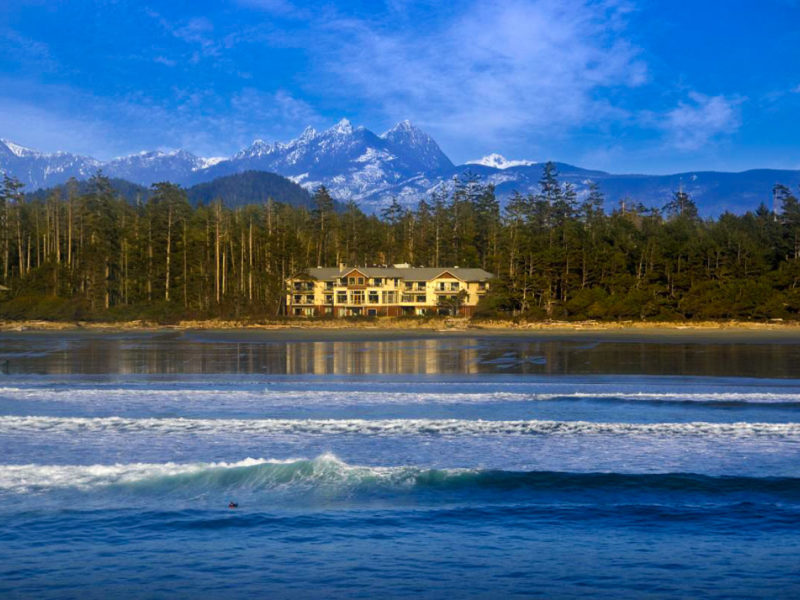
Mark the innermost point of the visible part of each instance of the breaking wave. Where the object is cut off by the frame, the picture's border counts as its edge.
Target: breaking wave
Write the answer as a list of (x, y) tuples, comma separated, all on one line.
[(385, 427), (327, 472)]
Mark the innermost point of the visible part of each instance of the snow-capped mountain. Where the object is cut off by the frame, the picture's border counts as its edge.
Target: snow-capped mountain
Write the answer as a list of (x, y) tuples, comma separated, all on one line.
[(498, 161), (352, 162), (150, 167), (35, 169), (404, 163)]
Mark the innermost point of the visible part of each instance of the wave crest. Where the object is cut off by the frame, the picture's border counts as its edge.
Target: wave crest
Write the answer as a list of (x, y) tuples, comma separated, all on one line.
[(327, 474)]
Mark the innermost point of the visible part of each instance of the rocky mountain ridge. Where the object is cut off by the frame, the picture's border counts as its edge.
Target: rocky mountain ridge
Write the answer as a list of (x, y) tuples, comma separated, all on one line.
[(404, 163)]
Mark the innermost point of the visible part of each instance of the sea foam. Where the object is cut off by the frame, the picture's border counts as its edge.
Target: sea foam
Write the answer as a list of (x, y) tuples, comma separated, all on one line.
[(384, 427), (330, 475)]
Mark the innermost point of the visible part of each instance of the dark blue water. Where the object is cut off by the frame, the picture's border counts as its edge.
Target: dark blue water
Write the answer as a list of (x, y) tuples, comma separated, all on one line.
[(446, 467)]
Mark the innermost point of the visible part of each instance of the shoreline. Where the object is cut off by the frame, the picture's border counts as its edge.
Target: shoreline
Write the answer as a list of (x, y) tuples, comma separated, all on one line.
[(430, 326)]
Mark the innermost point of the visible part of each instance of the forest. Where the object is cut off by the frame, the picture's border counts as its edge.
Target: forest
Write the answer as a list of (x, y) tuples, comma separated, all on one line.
[(86, 253)]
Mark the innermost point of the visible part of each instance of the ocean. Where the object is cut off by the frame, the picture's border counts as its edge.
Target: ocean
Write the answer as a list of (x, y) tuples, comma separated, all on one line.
[(398, 465)]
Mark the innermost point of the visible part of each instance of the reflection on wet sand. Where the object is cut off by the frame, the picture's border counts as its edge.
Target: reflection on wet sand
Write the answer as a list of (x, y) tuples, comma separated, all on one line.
[(468, 355)]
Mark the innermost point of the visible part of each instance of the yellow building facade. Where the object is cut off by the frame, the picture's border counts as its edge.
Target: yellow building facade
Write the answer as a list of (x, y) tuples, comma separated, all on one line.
[(386, 291)]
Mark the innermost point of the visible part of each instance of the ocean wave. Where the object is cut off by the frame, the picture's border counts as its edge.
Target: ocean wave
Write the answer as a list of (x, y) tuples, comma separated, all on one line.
[(385, 427), (327, 473), (349, 397)]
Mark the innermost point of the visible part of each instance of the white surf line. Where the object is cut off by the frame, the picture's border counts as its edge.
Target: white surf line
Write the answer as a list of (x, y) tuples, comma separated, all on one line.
[(353, 397), (383, 427)]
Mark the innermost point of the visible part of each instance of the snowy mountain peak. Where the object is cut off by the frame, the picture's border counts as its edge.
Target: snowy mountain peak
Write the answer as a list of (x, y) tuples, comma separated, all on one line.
[(416, 147), (308, 133), (210, 161), (343, 127), (498, 161), (258, 148), (17, 150), (404, 126)]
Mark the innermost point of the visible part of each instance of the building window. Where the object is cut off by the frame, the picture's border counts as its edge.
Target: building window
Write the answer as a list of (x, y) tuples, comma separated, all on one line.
[(373, 298), (357, 298), (298, 299), (360, 281), (328, 285), (372, 312), (341, 297), (407, 298), (389, 297), (422, 299), (377, 282), (351, 280), (328, 298), (454, 286), (310, 298)]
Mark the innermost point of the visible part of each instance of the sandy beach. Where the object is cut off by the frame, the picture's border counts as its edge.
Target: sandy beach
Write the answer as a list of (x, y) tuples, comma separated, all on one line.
[(393, 328)]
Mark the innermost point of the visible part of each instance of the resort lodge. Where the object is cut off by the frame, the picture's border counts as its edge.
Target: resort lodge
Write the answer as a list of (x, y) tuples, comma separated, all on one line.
[(386, 291)]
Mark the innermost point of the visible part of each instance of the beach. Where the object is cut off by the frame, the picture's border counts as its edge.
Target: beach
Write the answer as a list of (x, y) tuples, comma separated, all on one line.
[(402, 462)]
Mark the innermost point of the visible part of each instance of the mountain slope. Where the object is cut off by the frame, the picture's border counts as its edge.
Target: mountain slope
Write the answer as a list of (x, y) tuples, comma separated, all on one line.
[(250, 187), (403, 163)]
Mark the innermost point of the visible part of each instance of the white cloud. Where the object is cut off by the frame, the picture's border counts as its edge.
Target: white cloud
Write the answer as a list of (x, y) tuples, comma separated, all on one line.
[(522, 68), (283, 8), (200, 121), (696, 122)]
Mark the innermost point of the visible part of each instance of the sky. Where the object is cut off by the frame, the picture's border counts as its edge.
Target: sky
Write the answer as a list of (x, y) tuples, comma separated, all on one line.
[(651, 86)]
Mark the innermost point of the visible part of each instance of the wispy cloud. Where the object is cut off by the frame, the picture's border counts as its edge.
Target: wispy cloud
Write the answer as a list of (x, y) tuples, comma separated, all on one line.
[(522, 68), (198, 120), (694, 123), (25, 51), (282, 8)]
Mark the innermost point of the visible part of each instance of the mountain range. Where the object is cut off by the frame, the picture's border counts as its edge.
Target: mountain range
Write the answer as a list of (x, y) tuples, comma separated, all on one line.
[(404, 162)]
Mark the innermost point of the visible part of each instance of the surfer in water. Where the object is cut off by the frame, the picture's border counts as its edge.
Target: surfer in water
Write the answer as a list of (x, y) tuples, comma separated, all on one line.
[(232, 504)]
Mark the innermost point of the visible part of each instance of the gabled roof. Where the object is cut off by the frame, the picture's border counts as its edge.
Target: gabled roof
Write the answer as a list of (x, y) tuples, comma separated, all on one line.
[(406, 273), (350, 270)]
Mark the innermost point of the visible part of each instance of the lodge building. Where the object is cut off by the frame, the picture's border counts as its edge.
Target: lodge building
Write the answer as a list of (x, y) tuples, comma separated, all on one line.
[(386, 291)]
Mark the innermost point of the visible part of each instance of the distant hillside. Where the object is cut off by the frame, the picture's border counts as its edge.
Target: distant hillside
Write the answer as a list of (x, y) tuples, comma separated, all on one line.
[(132, 192), (250, 187)]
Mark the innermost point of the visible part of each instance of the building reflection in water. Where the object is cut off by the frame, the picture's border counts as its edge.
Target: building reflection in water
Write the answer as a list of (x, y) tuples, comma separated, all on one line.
[(423, 357), (154, 354)]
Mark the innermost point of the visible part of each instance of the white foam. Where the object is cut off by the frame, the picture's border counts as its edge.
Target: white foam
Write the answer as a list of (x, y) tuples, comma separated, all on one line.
[(382, 427), (32, 478), (327, 468), (347, 397)]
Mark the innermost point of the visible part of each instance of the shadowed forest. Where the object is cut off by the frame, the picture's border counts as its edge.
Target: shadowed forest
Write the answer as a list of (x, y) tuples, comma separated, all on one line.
[(89, 254)]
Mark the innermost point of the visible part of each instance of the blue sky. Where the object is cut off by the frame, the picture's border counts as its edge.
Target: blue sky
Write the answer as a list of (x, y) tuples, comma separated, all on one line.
[(622, 85)]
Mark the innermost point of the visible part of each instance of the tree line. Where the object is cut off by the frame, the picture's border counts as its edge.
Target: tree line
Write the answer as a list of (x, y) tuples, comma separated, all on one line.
[(90, 254)]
